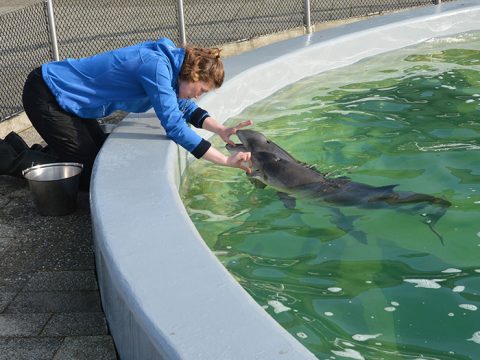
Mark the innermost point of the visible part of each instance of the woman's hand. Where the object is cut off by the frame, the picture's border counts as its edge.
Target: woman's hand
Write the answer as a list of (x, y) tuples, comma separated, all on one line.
[(214, 126), (225, 132), (240, 160)]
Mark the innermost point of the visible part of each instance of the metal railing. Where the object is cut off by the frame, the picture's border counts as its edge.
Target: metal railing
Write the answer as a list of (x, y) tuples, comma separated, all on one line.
[(75, 28)]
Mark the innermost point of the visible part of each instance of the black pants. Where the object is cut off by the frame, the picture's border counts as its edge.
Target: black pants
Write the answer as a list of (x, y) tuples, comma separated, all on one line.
[(71, 138)]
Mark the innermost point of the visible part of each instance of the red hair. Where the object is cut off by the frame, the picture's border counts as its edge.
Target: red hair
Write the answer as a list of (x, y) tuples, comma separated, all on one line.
[(202, 64)]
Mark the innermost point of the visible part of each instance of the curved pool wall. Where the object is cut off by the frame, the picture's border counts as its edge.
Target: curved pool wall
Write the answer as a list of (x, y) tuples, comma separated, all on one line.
[(165, 294)]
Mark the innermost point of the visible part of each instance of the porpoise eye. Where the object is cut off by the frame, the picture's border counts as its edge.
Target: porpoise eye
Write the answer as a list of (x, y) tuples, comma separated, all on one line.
[(268, 141)]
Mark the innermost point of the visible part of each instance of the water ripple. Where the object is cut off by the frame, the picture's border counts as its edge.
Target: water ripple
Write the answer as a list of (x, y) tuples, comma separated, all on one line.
[(448, 147)]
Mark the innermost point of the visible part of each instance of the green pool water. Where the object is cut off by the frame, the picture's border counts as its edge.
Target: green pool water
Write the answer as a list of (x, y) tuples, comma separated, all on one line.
[(410, 117)]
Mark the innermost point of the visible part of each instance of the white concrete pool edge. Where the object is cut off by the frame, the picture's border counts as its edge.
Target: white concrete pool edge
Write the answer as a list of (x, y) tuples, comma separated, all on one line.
[(164, 293)]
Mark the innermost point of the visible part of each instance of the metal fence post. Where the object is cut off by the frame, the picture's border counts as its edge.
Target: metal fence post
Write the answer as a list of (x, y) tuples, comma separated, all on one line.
[(181, 24), (53, 32), (306, 17)]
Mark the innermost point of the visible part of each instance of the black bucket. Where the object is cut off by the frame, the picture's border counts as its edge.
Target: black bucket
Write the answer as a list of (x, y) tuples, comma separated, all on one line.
[(54, 187)]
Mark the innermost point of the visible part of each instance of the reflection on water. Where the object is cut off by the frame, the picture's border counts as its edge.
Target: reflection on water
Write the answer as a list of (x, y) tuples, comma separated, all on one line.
[(410, 117)]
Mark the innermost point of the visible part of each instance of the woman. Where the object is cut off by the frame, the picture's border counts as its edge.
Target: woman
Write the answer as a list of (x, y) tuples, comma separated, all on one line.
[(63, 98)]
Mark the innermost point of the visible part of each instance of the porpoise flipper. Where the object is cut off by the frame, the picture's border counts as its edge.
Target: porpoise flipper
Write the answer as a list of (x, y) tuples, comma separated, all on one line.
[(345, 223), (288, 201)]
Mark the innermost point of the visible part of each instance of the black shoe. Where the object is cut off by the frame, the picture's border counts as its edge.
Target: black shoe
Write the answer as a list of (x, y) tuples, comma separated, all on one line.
[(7, 157), (36, 147), (48, 150), (16, 142), (28, 159)]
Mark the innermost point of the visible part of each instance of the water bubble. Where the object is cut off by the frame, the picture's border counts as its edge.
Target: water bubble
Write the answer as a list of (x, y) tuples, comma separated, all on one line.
[(278, 307), (475, 337), (302, 335), (451, 271), (334, 289), (425, 283), (328, 313), (451, 314), (361, 337), (220, 252), (349, 353), (468, 307), (458, 289), (394, 303), (390, 309)]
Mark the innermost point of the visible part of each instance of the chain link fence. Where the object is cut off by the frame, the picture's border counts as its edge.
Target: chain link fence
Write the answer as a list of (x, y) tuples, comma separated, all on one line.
[(331, 10), (87, 27), (210, 22), (25, 45)]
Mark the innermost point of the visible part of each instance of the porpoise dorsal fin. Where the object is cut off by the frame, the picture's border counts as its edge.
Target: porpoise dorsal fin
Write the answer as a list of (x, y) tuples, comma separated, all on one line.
[(387, 187)]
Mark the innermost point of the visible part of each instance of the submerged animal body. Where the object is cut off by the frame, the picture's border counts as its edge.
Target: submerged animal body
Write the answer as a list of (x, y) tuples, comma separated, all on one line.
[(275, 167), (297, 179)]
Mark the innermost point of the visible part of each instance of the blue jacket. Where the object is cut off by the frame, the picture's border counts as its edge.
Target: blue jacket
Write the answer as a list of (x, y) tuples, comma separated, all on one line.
[(132, 79)]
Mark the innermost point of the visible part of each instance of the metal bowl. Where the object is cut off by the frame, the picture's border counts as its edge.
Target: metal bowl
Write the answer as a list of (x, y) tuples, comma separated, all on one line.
[(54, 187)]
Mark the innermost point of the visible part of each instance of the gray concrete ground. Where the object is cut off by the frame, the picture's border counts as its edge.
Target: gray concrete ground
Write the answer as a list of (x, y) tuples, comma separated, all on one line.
[(49, 300)]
